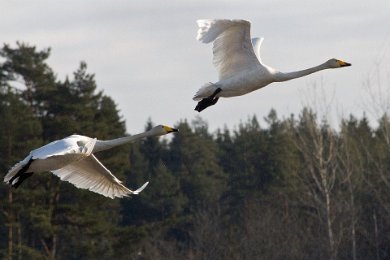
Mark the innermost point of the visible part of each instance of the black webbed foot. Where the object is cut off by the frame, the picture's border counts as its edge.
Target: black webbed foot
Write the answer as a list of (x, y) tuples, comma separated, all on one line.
[(22, 177), (209, 101), (206, 102)]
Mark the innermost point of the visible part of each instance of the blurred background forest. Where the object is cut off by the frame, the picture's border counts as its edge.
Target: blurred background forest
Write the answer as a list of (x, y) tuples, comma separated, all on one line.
[(295, 188)]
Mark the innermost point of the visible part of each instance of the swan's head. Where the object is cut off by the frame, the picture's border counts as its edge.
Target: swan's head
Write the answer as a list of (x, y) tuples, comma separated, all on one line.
[(162, 130), (335, 63)]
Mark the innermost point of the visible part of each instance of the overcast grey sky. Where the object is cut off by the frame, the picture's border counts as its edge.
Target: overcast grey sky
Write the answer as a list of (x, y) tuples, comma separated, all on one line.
[(145, 55)]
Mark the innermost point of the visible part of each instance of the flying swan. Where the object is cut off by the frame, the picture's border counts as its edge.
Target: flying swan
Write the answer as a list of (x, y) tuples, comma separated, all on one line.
[(73, 160), (238, 62)]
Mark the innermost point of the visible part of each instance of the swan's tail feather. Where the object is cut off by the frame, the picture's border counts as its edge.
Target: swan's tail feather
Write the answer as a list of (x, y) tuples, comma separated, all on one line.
[(13, 171), (16, 168), (205, 91)]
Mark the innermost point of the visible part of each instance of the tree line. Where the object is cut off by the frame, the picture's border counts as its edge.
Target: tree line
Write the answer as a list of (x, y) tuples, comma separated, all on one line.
[(294, 188)]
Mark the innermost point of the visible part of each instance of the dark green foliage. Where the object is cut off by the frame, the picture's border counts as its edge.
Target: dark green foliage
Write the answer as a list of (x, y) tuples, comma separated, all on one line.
[(48, 213), (20, 132), (276, 189)]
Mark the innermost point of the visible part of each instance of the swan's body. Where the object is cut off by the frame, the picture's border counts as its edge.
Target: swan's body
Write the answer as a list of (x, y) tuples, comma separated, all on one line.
[(72, 160), (238, 62)]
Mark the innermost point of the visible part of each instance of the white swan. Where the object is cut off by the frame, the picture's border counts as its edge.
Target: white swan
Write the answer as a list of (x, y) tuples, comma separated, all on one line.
[(240, 69), (72, 160)]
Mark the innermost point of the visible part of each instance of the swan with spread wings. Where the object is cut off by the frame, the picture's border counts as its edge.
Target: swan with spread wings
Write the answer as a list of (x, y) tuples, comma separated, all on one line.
[(72, 159), (237, 59)]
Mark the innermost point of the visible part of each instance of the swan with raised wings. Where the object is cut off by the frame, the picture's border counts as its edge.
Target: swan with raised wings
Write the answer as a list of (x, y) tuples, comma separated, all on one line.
[(72, 159), (241, 70)]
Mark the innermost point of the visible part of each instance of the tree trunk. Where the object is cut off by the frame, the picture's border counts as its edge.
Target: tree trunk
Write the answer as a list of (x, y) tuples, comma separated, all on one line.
[(353, 220), (376, 236), (10, 225), (325, 184), (19, 231), (53, 207), (329, 227)]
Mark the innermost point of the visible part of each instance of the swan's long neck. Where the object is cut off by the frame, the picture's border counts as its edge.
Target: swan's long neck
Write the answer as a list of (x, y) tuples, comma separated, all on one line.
[(108, 144), (280, 76)]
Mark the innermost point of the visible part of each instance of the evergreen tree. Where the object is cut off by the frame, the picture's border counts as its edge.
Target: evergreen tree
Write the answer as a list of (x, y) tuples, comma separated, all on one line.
[(248, 174), (48, 216), (19, 132), (28, 66), (201, 179)]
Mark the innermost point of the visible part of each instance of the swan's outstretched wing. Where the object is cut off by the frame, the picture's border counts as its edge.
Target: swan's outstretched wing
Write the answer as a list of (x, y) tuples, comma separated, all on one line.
[(232, 50), (91, 174)]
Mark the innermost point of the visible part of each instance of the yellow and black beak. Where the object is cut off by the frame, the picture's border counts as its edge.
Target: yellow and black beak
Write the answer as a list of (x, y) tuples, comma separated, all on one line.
[(343, 63), (170, 129)]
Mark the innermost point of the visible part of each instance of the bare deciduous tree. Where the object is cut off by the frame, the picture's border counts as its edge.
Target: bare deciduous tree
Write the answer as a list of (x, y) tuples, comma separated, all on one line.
[(318, 147)]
